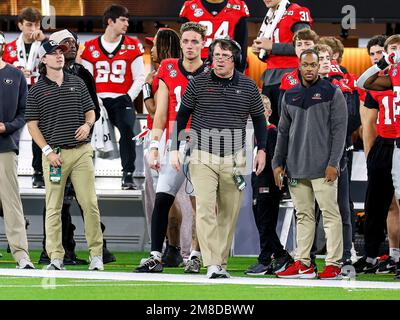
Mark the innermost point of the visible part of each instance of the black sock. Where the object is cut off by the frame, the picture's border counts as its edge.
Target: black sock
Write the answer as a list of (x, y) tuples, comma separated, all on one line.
[(159, 220)]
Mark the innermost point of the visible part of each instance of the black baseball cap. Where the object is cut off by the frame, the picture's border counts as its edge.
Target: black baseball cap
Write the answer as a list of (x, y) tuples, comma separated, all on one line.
[(50, 46)]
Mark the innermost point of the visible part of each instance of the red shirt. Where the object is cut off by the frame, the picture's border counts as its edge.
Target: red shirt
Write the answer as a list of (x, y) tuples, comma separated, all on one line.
[(112, 72), (283, 34), (394, 74), (10, 56), (219, 26), (176, 78), (385, 124), (290, 80)]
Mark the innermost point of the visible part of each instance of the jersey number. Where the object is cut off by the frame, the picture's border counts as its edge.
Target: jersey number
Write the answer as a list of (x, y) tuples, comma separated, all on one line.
[(178, 96), (221, 32), (304, 16), (388, 118), (114, 73), (396, 102)]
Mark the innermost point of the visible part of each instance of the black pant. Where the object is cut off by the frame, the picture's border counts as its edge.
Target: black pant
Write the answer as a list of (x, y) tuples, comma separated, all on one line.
[(37, 157), (266, 212), (122, 115), (67, 227), (273, 93), (379, 194)]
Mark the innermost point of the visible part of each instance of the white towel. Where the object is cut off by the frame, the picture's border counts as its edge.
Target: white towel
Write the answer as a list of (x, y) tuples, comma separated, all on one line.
[(268, 27), (33, 59)]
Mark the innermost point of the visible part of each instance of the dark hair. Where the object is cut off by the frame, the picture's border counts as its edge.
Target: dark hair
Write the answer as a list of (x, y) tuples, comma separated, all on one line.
[(113, 12), (305, 34), (42, 68), (29, 14), (335, 44), (194, 26), (378, 40), (168, 44), (309, 51)]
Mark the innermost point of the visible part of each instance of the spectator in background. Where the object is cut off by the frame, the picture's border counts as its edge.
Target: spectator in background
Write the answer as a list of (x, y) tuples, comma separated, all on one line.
[(70, 40), (222, 18), (66, 126), (379, 127), (13, 90), (116, 62), (266, 199), (274, 45), (311, 137), (380, 79), (23, 54), (220, 103)]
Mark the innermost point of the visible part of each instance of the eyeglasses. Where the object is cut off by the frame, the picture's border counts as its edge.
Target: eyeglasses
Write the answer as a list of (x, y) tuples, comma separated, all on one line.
[(223, 57)]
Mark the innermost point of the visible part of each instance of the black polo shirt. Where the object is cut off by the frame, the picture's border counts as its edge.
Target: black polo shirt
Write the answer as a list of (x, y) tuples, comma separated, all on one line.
[(60, 110)]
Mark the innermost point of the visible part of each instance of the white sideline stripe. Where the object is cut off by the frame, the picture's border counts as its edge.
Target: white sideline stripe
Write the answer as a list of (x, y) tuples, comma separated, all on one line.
[(125, 276)]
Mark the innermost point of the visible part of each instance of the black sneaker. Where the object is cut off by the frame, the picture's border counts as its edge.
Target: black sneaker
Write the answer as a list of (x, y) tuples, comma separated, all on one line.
[(70, 259), (127, 181), (37, 180), (172, 257), (386, 266), (108, 257), (281, 263), (150, 265), (362, 266), (258, 269), (397, 277), (44, 258)]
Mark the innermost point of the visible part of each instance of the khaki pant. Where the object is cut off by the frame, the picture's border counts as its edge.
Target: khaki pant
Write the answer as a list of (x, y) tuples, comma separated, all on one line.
[(214, 186), (303, 196), (10, 204), (78, 164)]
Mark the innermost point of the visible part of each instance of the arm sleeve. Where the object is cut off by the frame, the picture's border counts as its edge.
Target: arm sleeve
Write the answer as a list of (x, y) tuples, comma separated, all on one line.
[(260, 131), (19, 119), (137, 68), (282, 143), (338, 128), (91, 86), (283, 49), (32, 107), (370, 102), (241, 38)]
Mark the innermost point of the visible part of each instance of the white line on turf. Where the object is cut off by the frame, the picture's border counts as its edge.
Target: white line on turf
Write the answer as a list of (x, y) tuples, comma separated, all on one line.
[(162, 277)]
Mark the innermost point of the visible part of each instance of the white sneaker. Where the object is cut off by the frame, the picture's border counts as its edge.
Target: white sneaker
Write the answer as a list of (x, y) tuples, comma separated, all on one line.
[(25, 263), (96, 263), (56, 264), (215, 271)]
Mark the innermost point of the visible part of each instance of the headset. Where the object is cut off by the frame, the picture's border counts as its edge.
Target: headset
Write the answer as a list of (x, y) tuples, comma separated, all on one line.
[(237, 58)]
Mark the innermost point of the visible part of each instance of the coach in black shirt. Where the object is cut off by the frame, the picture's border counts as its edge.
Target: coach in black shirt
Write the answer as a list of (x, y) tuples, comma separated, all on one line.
[(220, 103), (60, 113)]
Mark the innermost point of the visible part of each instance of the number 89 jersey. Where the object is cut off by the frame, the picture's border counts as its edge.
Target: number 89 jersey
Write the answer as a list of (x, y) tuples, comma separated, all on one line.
[(176, 78), (218, 26), (112, 71)]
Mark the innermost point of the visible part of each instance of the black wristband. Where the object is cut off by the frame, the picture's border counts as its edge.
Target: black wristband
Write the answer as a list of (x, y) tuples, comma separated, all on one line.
[(382, 64)]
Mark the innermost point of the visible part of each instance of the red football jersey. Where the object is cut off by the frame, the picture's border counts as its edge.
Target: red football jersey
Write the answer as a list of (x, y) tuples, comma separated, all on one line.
[(385, 124), (335, 70), (112, 71), (154, 87), (10, 56), (176, 78), (290, 80), (395, 77), (219, 26), (284, 34)]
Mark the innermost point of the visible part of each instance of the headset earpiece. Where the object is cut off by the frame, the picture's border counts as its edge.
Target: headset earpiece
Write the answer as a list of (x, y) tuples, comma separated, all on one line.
[(237, 58)]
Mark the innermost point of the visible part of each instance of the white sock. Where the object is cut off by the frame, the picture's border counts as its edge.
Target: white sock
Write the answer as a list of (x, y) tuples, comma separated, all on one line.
[(156, 254), (371, 260), (195, 254), (394, 253)]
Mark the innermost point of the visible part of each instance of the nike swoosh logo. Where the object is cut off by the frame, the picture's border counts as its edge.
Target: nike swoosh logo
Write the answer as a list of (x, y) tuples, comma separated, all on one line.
[(305, 271), (122, 52)]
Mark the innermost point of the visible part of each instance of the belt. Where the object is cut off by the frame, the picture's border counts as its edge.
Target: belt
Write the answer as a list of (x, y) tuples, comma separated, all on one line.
[(68, 146), (389, 141)]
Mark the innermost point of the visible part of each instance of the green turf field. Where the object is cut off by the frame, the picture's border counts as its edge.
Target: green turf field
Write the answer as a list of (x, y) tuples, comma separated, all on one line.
[(12, 288)]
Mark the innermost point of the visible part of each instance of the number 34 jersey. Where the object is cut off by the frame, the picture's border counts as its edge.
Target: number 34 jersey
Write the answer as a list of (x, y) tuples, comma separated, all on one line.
[(220, 25), (176, 78), (112, 71)]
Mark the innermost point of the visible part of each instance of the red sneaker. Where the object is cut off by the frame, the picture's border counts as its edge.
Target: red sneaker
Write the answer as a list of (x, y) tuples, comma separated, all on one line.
[(297, 270), (330, 273)]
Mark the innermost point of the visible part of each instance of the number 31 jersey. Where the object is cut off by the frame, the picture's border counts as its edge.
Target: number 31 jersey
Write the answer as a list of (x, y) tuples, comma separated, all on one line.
[(220, 25), (112, 71)]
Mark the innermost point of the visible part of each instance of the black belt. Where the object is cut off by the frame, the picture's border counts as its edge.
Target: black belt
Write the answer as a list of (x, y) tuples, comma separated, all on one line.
[(389, 141)]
